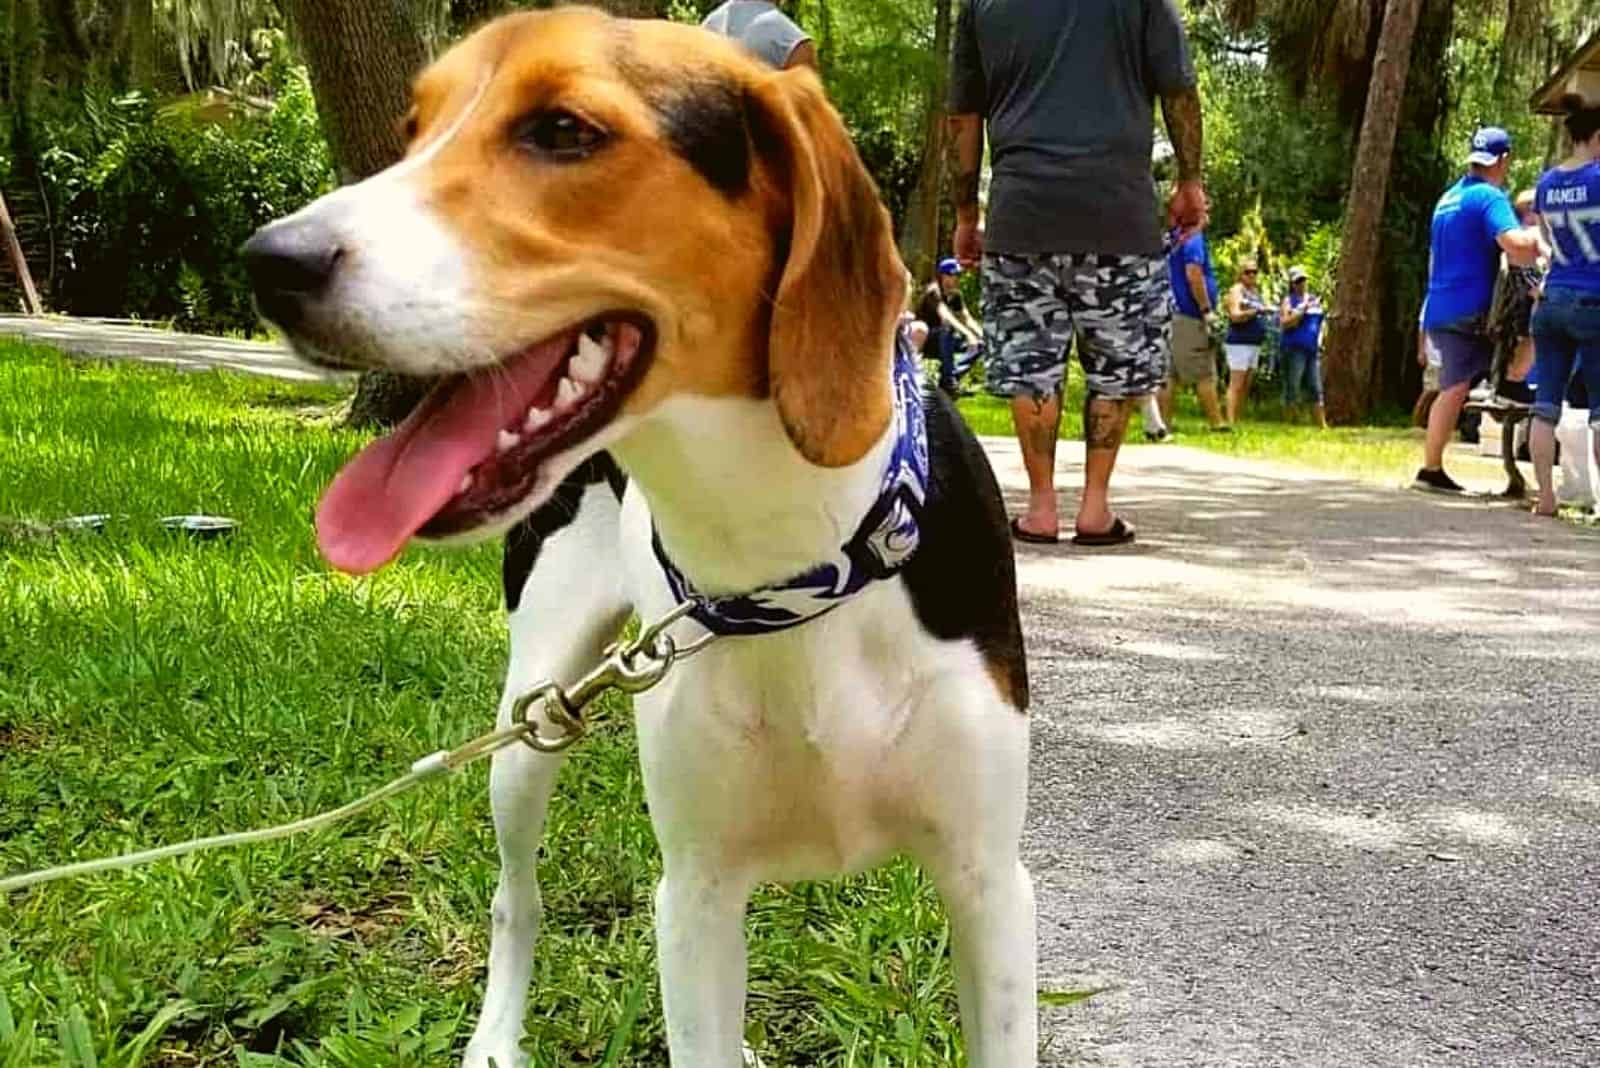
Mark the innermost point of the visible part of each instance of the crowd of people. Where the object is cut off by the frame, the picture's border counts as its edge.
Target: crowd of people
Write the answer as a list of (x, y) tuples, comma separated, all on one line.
[(1072, 256), (1541, 324)]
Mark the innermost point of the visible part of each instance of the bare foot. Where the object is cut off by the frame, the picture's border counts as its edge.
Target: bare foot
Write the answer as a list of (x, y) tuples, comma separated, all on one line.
[(1546, 508)]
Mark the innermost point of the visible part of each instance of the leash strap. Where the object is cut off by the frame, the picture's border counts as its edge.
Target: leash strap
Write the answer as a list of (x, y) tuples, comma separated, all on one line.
[(630, 667)]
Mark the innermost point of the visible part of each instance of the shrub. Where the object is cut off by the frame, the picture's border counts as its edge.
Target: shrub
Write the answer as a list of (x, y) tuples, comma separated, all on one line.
[(150, 204)]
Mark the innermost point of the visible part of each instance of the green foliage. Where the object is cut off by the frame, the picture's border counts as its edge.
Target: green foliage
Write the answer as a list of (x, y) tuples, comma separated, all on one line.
[(149, 204), (1276, 167)]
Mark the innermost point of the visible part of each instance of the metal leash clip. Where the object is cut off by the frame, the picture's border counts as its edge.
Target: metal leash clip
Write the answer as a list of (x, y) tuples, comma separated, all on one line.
[(632, 667)]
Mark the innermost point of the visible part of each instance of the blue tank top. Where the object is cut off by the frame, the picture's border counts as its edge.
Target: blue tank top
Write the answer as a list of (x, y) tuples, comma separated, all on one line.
[(1569, 206), (1307, 332), (1252, 331)]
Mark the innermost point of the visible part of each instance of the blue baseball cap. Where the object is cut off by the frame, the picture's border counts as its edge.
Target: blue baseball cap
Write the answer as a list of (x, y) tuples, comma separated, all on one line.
[(1488, 145), (949, 265)]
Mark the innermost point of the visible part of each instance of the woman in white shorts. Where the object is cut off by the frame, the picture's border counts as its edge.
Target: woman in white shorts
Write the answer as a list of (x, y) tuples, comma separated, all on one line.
[(1246, 332)]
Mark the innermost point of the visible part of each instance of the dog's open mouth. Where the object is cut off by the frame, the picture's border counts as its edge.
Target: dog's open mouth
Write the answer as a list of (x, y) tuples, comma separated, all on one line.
[(473, 448)]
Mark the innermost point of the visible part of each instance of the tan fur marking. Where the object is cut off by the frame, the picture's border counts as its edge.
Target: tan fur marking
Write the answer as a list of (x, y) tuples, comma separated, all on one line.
[(790, 288)]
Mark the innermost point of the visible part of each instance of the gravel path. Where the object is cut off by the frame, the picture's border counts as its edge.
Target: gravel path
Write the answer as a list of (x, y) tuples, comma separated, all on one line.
[(1316, 774)]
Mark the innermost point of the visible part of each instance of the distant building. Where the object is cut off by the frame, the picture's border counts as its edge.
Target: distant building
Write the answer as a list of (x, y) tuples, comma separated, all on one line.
[(1580, 74)]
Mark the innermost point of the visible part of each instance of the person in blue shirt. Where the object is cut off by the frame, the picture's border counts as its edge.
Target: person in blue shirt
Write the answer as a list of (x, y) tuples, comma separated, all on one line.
[(1566, 321), (1472, 223), (1194, 300), (1300, 317)]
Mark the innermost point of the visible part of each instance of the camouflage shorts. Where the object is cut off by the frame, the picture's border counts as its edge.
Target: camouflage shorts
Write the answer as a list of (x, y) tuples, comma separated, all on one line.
[(1117, 306)]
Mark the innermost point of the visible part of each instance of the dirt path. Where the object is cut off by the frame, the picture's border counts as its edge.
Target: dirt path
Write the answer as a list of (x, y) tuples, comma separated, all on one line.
[(190, 352), (1316, 774)]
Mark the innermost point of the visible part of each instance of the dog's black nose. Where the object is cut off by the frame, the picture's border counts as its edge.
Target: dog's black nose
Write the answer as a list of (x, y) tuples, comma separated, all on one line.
[(290, 263)]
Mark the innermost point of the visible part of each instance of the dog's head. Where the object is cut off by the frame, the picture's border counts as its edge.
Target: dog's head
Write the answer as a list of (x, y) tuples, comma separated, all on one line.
[(593, 215)]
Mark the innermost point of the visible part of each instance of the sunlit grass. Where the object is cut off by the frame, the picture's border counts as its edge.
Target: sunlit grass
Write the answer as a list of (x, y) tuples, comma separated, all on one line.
[(1387, 452)]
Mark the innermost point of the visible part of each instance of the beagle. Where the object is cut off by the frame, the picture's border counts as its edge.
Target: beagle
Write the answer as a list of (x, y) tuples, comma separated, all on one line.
[(663, 294)]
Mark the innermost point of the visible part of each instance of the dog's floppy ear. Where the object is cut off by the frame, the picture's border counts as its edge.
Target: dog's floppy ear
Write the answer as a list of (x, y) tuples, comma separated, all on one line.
[(842, 284)]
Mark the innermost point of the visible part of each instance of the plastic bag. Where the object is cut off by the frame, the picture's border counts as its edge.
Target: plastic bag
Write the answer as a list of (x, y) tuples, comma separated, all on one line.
[(1579, 479)]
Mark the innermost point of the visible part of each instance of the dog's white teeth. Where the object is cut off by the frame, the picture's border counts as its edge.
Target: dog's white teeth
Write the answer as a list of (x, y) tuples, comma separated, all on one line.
[(505, 441), (588, 364), (466, 483), (568, 392), (537, 417)]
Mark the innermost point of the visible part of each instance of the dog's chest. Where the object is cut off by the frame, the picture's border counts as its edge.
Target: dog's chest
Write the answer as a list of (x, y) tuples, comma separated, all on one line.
[(790, 751)]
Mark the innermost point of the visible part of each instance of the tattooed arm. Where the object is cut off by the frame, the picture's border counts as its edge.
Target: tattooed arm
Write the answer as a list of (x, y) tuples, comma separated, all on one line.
[(966, 144), (1181, 111)]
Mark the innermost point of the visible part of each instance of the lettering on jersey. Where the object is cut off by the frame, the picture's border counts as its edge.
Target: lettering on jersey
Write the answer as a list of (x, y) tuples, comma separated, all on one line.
[(1572, 194)]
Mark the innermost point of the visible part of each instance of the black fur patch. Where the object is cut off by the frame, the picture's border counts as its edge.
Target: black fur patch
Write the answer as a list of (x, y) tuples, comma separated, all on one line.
[(527, 538), (963, 578), (703, 118), (705, 124)]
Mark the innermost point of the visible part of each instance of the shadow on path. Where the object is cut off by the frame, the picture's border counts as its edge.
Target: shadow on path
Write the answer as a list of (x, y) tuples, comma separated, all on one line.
[(1316, 774)]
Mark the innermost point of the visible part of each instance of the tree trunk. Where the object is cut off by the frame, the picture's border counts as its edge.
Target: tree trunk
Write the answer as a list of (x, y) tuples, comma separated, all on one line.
[(1353, 331), (920, 233), (19, 264), (362, 55), (141, 42)]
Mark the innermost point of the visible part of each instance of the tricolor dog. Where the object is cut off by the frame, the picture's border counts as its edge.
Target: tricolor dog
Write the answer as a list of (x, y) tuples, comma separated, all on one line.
[(662, 293)]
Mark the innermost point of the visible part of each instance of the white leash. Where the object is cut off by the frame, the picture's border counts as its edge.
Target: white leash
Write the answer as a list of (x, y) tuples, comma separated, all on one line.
[(631, 667)]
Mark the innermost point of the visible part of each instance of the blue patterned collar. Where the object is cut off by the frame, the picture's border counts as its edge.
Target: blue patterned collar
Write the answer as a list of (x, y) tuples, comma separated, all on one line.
[(882, 544)]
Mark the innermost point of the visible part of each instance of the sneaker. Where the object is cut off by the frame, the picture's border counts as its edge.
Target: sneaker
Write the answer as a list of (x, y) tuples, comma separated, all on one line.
[(1223, 428), (1155, 437), (1435, 481)]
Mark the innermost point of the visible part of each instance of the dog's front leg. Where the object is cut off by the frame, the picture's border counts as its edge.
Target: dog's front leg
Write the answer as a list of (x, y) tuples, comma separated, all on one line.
[(571, 605), (700, 943), (975, 749), (992, 936)]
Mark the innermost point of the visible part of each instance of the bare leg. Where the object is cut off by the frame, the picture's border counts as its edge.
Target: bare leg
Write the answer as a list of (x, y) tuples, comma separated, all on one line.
[(1038, 422), (1238, 390), (1542, 443), (1521, 361), (1150, 407), (1207, 392), (1442, 424), (1423, 407), (1105, 420), (1164, 399)]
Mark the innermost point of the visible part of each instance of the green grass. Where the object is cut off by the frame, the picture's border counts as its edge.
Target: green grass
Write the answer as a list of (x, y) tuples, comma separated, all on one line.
[(1387, 453), (153, 689)]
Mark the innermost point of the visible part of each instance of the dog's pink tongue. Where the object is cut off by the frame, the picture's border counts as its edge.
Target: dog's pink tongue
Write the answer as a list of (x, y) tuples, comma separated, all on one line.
[(396, 484)]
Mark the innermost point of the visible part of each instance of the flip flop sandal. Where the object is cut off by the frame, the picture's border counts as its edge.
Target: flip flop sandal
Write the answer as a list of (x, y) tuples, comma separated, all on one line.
[(1031, 538), (1120, 533)]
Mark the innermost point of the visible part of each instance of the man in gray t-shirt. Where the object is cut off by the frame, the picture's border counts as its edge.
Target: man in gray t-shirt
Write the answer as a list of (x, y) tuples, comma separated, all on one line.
[(1066, 89), (764, 30)]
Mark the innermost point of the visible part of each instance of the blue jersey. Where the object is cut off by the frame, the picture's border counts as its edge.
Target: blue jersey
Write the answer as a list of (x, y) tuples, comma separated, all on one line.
[(1465, 251), (1306, 333), (1195, 251), (1568, 202)]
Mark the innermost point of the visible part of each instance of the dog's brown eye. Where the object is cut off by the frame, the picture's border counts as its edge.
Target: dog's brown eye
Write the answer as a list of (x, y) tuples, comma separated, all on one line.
[(562, 134)]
